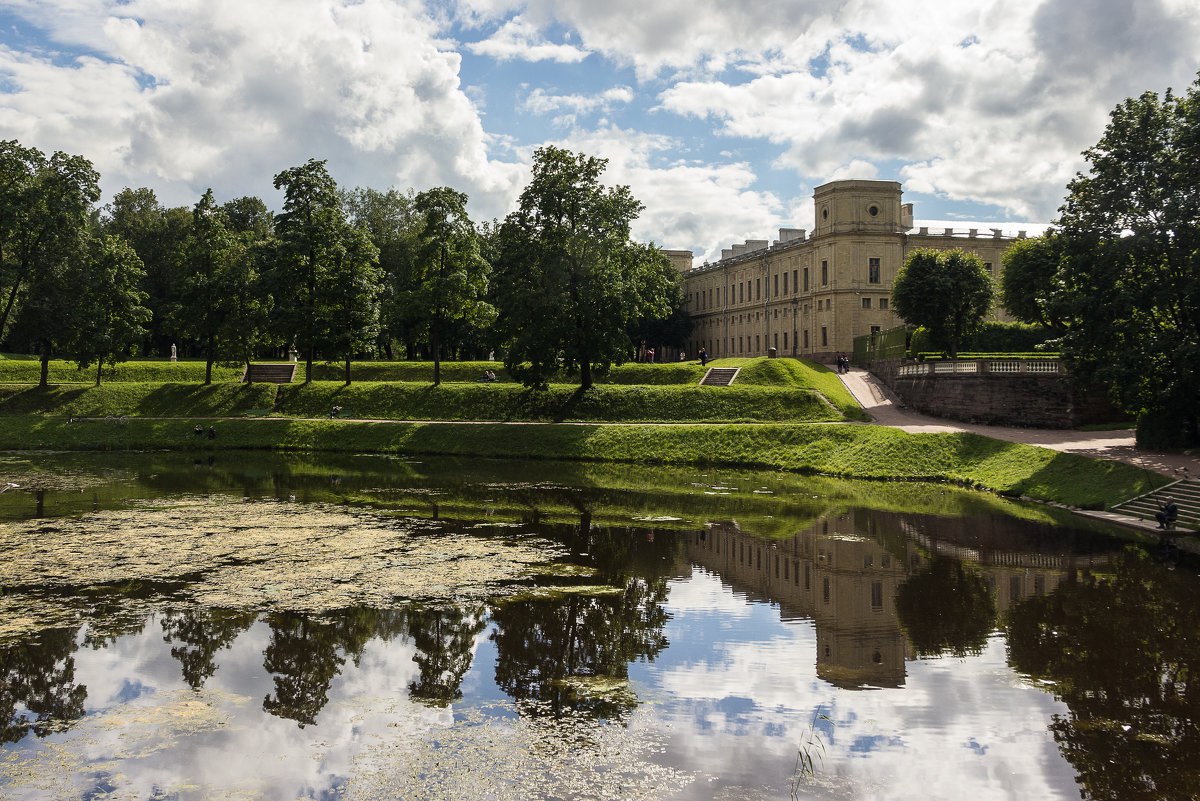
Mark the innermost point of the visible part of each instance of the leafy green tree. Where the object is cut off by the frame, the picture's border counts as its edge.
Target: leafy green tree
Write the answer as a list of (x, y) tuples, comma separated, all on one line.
[(948, 292), (23, 226), (249, 215), (569, 281), (450, 276), (212, 283), (109, 315), (392, 223), (158, 236), (1027, 287), (352, 298), (317, 263), (1130, 279), (66, 188)]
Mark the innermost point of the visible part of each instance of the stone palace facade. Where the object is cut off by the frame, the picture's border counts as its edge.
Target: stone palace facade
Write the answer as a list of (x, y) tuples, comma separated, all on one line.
[(810, 295)]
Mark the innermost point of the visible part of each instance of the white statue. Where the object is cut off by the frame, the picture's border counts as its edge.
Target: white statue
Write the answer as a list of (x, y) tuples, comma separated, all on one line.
[(172, 353)]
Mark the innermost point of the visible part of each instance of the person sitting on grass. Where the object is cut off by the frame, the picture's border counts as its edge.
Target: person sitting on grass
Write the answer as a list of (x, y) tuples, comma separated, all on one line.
[(1167, 514)]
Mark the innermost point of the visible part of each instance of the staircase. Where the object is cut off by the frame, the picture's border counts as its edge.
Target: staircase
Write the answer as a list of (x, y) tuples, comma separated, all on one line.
[(719, 376), (1187, 497), (269, 374)]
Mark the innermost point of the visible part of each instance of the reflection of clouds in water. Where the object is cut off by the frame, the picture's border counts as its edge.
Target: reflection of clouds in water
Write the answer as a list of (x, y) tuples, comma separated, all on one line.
[(218, 740), (704, 592), (958, 728)]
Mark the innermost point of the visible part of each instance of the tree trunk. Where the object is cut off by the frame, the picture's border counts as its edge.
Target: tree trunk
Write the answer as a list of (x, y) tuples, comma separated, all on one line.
[(347, 369), (208, 363), (249, 375), (585, 374), (435, 343), (44, 378), (308, 360), (99, 370), (12, 296)]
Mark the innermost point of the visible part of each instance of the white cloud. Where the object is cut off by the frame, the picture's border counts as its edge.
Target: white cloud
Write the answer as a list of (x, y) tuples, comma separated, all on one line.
[(542, 102), (689, 204), (517, 39), (185, 96)]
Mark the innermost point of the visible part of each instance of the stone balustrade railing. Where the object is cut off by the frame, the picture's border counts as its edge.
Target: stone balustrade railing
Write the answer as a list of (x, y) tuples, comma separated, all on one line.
[(981, 367)]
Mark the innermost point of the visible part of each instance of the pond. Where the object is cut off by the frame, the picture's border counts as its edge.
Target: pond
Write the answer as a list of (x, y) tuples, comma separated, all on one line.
[(244, 626)]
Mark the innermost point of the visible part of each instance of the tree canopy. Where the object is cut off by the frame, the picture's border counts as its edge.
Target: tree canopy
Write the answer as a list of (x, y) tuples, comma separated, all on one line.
[(949, 292), (1129, 282), (570, 281)]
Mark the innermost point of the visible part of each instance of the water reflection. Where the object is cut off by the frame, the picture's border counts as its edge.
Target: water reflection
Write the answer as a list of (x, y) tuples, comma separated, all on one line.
[(718, 626)]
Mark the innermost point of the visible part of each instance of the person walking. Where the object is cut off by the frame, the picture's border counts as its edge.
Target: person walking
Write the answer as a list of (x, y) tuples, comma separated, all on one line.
[(703, 357)]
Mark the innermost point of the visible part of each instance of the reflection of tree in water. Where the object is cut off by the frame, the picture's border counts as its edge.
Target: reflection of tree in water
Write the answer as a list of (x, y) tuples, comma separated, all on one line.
[(946, 609), (196, 635), (1123, 652), (547, 650), (307, 651), (445, 639), (39, 675)]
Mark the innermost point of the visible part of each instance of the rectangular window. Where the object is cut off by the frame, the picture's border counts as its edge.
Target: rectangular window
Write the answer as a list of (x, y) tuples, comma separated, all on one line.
[(988, 265), (758, 289), (875, 331), (866, 303), (824, 337), (776, 341), (785, 283), (785, 340), (877, 595), (806, 340), (807, 576), (883, 304), (741, 293), (825, 589), (805, 279), (872, 271), (776, 292), (824, 273), (757, 343)]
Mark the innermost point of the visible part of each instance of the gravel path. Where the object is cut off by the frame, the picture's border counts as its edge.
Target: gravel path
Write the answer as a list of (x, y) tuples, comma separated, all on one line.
[(886, 410)]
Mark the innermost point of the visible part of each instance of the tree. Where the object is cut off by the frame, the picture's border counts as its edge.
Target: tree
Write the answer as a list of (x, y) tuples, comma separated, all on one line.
[(109, 316), (946, 609), (1027, 286), (158, 236), (450, 276), (211, 283), (948, 292), (21, 219), (352, 299), (316, 255), (569, 281), (392, 224), (53, 249), (1129, 283)]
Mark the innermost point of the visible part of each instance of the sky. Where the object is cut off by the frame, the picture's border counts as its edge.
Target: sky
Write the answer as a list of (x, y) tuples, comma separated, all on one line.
[(721, 116)]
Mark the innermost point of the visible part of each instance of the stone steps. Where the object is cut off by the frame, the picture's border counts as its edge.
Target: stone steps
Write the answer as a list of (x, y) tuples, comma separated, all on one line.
[(270, 374), (1187, 497), (719, 376)]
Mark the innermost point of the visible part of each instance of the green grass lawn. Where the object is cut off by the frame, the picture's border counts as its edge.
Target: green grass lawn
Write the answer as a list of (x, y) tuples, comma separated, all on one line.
[(852, 451)]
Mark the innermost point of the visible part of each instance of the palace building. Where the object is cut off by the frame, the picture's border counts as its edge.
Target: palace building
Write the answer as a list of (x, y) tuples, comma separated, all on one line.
[(810, 294)]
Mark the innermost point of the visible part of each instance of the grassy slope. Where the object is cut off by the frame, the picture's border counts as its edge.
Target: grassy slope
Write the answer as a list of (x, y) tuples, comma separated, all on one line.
[(858, 451)]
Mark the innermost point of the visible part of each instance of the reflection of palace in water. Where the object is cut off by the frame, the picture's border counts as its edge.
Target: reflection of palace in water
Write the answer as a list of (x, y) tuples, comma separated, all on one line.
[(843, 573)]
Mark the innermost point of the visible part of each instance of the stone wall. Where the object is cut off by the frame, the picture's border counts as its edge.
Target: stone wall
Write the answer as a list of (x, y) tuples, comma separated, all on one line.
[(1028, 399)]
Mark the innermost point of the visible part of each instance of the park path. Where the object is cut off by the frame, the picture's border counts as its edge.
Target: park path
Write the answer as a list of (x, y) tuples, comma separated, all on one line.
[(886, 410)]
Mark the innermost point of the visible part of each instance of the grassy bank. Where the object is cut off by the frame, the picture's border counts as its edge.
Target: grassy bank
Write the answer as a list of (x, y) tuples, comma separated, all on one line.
[(838, 450), (780, 374), (411, 401)]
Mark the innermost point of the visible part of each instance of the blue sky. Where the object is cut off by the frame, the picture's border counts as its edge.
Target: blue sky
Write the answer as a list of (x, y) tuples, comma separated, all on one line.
[(721, 116)]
